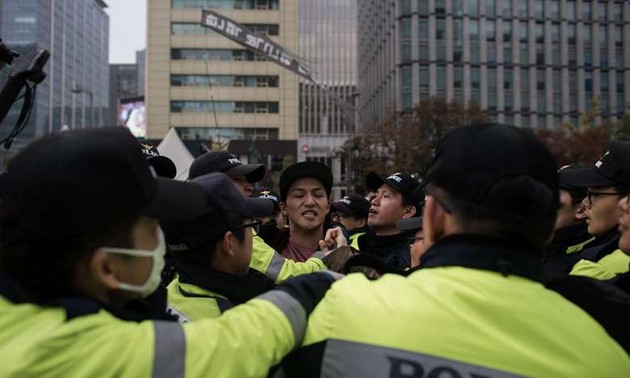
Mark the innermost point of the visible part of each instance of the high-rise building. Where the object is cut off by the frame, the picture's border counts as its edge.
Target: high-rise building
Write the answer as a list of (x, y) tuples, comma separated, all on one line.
[(123, 83), (209, 87), (537, 63), (328, 45), (141, 68), (76, 33)]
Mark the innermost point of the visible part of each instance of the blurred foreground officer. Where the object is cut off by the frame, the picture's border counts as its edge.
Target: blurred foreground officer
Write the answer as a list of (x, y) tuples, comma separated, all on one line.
[(476, 307), (211, 254), (79, 234)]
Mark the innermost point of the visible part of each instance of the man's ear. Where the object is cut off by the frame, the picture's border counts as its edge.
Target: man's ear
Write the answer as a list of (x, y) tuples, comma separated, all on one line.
[(102, 267), (228, 244), (409, 212), (433, 220), (283, 209)]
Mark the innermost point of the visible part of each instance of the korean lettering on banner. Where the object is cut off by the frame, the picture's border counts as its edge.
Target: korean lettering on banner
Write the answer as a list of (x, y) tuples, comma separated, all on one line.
[(264, 46)]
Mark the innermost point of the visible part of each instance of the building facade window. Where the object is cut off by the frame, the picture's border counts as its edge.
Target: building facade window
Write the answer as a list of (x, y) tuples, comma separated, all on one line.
[(183, 106), (215, 54), (569, 10), (224, 81), (179, 28), (227, 4), (227, 133)]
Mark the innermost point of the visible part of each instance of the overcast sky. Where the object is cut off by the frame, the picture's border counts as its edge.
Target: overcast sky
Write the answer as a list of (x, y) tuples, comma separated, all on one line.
[(127, 29)]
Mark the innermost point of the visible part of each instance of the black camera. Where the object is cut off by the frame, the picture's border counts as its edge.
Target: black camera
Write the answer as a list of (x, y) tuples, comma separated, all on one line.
[(27, 72)]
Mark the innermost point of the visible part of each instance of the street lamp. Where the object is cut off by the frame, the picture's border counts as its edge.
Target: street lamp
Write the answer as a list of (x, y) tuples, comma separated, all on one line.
[(77, 89)]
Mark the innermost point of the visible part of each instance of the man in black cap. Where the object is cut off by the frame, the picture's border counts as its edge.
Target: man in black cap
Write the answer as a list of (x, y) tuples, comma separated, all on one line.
[(606, 182), (80, 235), (212, 253), (163, 166), (243, 175), (305, 199), (352, 212), (398, 196), (570, 230), (476, 306), (274, 229)]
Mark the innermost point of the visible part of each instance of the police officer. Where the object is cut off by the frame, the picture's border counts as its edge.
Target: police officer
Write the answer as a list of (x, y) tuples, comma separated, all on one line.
[(570, 230), (607, 182), (212, 253), (244, 176), (162, 165), (352, 212), (80, 233), (398, 196), (274, 229), (476, 306)]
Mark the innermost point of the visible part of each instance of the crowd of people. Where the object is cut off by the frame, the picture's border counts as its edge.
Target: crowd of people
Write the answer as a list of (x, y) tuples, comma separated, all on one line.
[(495, 264)]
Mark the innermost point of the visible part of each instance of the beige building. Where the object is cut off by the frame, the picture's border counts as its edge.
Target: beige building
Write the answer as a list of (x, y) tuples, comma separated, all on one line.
[(209, 87)]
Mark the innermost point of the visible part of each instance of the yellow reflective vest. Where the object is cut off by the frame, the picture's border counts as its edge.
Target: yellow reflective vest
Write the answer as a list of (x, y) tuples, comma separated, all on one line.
[(606, 268), (189, 302), (37, 341), (453, 321), (266, 260)]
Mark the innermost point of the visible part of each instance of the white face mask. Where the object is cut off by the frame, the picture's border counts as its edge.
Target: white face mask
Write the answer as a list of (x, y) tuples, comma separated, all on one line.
[(153, 281)]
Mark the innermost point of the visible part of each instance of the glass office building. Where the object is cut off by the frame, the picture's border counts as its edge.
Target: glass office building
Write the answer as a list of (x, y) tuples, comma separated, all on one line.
[(328, 45), (76, 33), (537, 63)]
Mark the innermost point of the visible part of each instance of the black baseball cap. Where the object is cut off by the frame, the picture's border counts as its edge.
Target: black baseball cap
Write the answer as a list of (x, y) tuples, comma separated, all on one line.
[(225, 205), (612, 169), (228, 163), (304, 169), (409, 224), (569, 179), (268, 194), (472, 159), (354, 204), (80, 181), (163, 166), (409, 187)]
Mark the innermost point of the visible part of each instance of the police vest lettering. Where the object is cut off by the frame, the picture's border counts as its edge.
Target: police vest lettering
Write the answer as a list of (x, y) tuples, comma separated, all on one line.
[(400, 368)]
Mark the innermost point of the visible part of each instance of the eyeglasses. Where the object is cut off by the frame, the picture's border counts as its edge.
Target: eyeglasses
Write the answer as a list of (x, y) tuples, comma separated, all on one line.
[(592, 195), (254, 223)]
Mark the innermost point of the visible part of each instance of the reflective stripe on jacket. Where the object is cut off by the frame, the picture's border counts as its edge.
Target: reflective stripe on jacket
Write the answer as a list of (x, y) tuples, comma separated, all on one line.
[(266, 260), (37, 341)]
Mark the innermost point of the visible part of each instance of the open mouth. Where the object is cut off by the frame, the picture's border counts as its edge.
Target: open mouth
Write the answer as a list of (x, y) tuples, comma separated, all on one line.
[(309, 214)]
